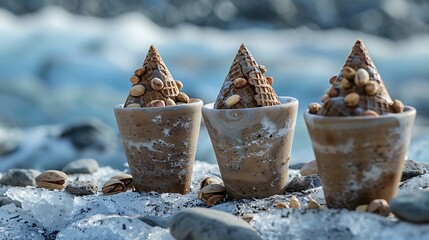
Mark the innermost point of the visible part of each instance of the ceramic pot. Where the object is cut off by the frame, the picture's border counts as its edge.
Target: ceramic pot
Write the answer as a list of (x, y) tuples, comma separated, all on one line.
[(160, 145), (360, 158), (252, 147)]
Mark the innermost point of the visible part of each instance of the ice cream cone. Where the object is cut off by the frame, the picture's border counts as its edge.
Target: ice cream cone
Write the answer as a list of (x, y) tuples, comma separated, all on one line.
[(360, 159), (378, 100), (160, 145), (256, 92), (252, 147)]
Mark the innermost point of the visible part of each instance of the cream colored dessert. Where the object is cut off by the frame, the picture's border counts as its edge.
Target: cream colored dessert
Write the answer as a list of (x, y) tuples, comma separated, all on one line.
[(246, 86)]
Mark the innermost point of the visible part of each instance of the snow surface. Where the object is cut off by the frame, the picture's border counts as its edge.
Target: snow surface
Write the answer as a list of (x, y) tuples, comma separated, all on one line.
[(58, 67), (57, 214)]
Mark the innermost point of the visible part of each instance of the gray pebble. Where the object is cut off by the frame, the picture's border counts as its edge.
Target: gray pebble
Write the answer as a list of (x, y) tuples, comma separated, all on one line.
[(20, 177), (412, 207), (84, 165), (413, 169), (302, 183), (155, 221), (7, 200), (203, 223), (81, 188)]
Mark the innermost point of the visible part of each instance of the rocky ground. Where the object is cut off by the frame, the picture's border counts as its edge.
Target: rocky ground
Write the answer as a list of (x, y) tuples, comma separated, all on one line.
[(28, 212)]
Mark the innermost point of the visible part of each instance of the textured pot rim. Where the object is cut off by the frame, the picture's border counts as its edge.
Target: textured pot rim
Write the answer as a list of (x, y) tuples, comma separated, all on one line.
[(285, 100), (408, 111), (194, 103)]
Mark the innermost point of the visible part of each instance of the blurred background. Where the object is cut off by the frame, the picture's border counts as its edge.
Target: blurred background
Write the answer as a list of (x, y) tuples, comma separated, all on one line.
[(64, 64)]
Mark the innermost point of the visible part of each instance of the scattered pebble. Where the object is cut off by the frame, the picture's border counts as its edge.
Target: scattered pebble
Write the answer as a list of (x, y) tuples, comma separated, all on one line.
[(362, 208), (81, 188), (84, 165), (294, 202), (413, 169), (412, 206), (301, 183), (313, 204), (202, 223), (309, 168), (20, 177)]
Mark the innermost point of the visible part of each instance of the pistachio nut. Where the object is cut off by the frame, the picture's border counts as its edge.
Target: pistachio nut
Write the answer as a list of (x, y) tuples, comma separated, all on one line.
[(248, 217), (348, 73), (232, 100), (215, 199), (210, 180), (182, 97), (52, 179), (157, 84), (210, 190), (239, 82), (313, 108), (134, 79), (361, 77), (127, 179), (113, 186), (179, 84)]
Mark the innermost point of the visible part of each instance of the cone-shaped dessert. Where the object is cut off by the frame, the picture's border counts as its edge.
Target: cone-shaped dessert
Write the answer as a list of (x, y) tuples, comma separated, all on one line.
[(246, 86), (358, 89), (360, 136), (251, 130), (159, 135), (153, 84)]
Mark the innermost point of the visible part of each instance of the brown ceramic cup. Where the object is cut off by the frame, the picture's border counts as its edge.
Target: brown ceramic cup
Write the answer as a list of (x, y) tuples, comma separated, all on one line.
[(360, 159), (160, 145), (252, 147)]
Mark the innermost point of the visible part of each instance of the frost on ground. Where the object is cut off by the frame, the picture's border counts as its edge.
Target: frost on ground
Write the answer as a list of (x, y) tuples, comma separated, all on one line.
[(49, 214)]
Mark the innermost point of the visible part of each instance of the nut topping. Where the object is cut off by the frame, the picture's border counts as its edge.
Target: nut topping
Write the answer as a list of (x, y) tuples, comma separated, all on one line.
[(156, 84), (137, 90)]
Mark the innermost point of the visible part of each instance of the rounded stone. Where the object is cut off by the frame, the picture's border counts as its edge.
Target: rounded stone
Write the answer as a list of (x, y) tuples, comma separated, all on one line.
[(81, 188), (20, 177), (202, 223), (412, 206), (84, 165), (302, 183), (413, 169)]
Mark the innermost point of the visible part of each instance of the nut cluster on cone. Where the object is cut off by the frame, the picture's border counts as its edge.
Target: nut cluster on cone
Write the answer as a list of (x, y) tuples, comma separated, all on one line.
[(357, 90), (246, 85), (154, 86)]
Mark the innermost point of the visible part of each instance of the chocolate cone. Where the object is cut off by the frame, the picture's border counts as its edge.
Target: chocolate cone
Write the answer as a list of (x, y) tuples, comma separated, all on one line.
[(257, 92), (154, 67), (380, 102)]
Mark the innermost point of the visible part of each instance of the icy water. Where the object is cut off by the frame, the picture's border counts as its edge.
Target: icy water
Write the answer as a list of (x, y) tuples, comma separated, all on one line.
[(58, 67)]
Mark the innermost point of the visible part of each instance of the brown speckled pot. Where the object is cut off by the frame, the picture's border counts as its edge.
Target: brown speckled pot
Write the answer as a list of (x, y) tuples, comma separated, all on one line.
[(160, 145), (360, 158), (252, 147)]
